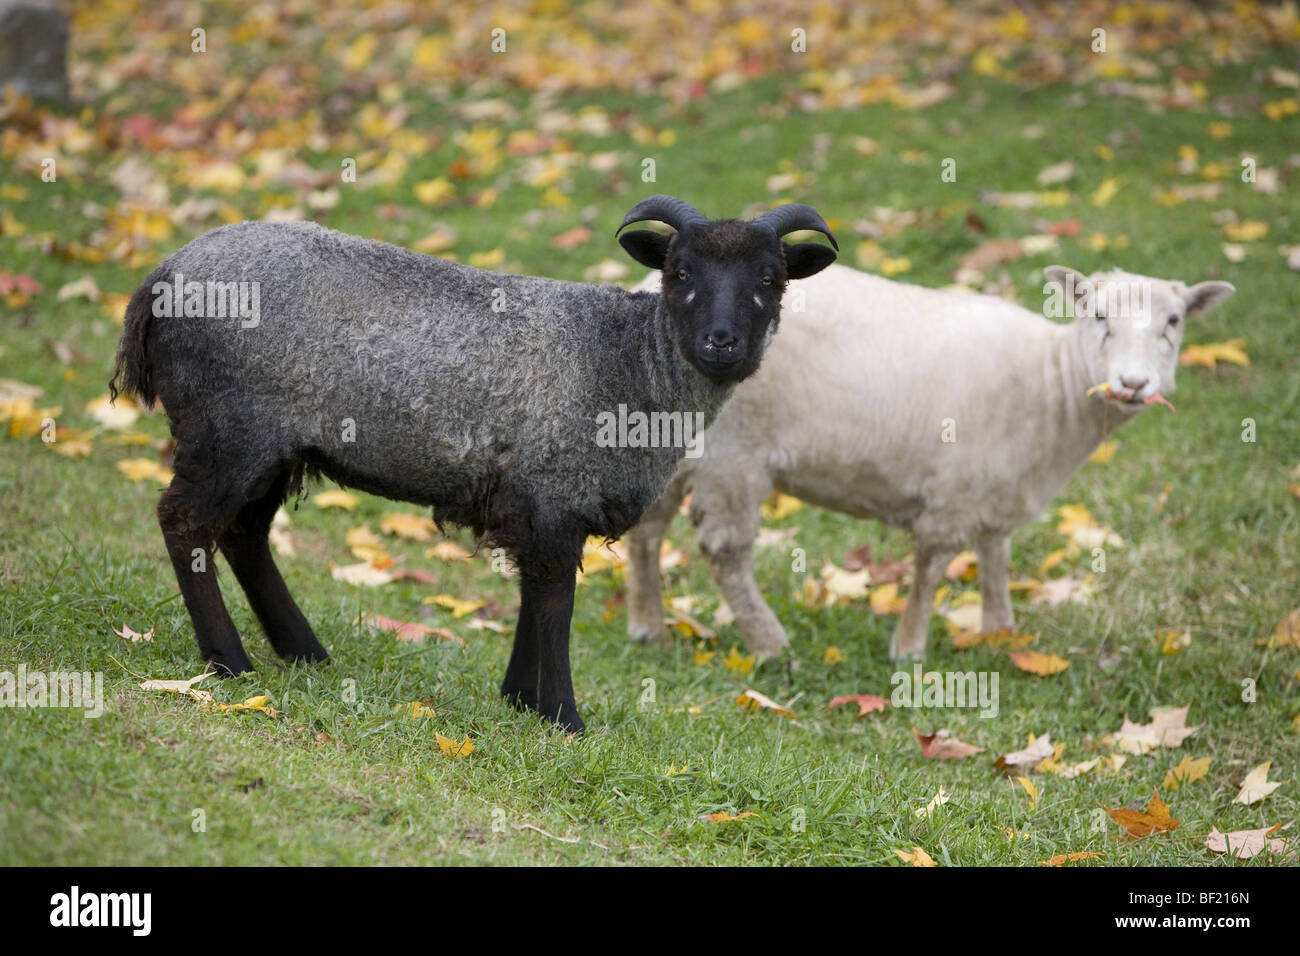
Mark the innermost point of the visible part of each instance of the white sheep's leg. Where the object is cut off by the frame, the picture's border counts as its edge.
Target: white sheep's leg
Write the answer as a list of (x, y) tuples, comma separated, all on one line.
[(909, 639), (645, 609), (726, 513), (994, 551)]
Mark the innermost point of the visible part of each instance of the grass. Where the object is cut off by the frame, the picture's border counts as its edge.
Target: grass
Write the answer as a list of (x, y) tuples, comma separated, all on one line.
[(337, 778)]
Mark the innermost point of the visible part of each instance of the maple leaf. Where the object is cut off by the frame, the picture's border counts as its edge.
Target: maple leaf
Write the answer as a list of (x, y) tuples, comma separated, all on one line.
[(132, 635), (781, 507), (1168, 728), (1039, 749), (412, 631), (1256, 786), (1154, 819), (336, 498), (457, 607), (753, 700), (175, 686), (1187, 771), (916, 856), (939, 745), (447, 551), (1036, 662), (364, 573), (1208, 356), (452, 748), (404, 525), (1062, 858), (866, 702), (1287, 633), (415, 709), (1244, 844)]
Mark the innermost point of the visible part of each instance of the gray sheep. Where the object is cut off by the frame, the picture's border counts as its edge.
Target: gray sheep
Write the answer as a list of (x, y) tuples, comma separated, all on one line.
[(282, 351)]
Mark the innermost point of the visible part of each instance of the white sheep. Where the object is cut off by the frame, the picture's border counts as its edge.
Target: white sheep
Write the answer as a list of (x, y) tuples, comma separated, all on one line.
[(954, 415)]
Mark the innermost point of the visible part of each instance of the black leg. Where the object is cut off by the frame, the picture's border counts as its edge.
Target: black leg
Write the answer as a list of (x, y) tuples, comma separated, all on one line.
[(538, 676), (520, 684), (190, 547), (247, 547)]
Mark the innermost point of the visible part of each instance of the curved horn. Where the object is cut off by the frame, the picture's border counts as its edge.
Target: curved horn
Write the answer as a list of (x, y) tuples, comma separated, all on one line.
[(661, 208), (795, 216)]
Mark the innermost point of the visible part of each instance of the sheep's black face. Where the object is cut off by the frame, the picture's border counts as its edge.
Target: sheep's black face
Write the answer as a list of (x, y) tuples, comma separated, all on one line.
[(723, 279), (723, 284)]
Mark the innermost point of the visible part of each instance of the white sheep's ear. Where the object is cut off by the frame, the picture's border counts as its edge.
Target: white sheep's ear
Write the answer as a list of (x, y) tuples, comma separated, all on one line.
[(1065, 279), (1205, 296)]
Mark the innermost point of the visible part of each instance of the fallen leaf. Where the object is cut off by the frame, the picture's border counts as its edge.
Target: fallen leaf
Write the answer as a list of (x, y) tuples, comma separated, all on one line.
[(457, 607), (1036, 662), (725, 816), (1256, 786), (916, 856), (1062, 858), (452, 748), (866, 702), (1039, 749), (409, 526), (412, 631), (1154, 819), (1209, 355), (1245, 844), (1187, 771), (336, 498), (940, 746), (753, 700), (132, 635)]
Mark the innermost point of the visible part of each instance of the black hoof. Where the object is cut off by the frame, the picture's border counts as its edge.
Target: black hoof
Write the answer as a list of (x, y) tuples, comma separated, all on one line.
[(564, 715), (230, 666)]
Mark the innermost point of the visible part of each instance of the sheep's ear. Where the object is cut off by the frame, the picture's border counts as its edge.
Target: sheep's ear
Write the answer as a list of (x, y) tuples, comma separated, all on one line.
[(1066, 278), (804, 259), (646, 246), (1205, 296)]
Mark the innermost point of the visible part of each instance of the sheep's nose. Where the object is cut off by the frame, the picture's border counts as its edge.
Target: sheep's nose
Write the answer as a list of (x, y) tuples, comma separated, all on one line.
[(720, 339), (1134, 382)]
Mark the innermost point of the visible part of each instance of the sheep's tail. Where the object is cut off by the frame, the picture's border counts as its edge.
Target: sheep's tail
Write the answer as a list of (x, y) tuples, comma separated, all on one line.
[(133, 374)]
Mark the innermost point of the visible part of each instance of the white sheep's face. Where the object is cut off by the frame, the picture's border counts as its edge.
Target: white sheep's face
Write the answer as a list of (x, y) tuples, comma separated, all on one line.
[(1131, 327)]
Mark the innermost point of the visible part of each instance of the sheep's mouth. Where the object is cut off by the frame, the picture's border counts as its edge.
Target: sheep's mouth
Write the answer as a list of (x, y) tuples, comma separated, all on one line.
[(719, 363)]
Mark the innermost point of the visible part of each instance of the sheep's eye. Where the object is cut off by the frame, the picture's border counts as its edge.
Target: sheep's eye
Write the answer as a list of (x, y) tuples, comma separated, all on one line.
[(767, 280), (683, 274), (1173, 320)]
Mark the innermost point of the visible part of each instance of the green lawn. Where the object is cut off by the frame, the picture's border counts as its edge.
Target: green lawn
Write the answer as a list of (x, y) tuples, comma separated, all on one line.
[(1211, 531)]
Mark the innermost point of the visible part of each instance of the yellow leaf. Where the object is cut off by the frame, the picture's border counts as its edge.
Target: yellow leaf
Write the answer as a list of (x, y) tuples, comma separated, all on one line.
[(141, 469), (453, 749), (433, 191), (414, 709), (336, 499), (1105, 192), (1173, 640), (1028, 786), (1051, 561), (1104, 453), (753, 700), (916, 856), (1211, 354), (833, 655), (1187, 771), (253, 703), (457, 607), (703, 656), (1062, 858), (885, 600), (447, 551), (734, 661), (413, 527), (725, 816), (783, 507), (1246, 231), (1036, 662)]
